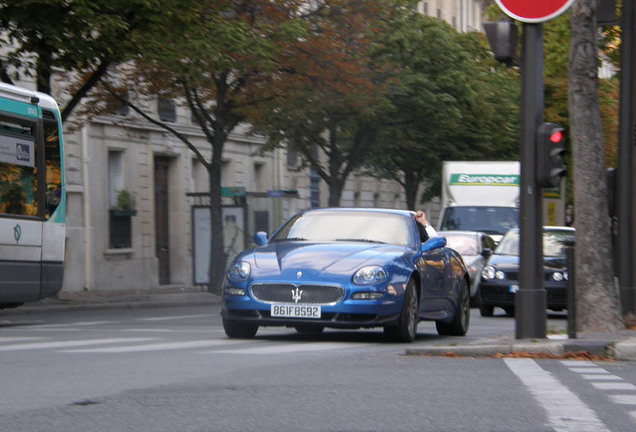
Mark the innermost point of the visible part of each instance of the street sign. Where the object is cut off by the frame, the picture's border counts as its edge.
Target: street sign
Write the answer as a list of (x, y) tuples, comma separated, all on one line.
[(534, 11)]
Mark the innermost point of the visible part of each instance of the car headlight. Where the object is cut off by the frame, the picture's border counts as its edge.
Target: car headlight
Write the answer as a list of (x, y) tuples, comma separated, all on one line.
[(370, 275), (488, 272), (239, 272), (558, 276)]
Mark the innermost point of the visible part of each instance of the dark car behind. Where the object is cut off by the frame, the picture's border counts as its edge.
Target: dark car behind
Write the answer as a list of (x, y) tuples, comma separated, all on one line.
[(500, 276)]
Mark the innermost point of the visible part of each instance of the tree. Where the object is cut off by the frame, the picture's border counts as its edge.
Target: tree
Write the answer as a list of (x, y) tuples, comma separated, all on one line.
[(598, 307), (449, 101), (327, 108), (81, 38), (219, 58)]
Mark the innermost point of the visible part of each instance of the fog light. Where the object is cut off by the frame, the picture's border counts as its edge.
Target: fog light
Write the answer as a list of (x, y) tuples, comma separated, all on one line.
[(367, 296), (234, 291)]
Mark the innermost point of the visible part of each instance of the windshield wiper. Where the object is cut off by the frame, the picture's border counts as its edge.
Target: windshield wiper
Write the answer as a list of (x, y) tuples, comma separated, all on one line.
[(361, 240)]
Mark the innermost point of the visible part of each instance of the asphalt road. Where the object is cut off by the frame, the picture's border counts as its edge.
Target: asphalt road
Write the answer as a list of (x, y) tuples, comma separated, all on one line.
[(173, 369)]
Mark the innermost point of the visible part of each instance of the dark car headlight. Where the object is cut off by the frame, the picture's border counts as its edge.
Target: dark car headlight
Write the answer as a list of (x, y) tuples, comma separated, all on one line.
[(560, 276), (370, 275), (239, 272), (488, 272)]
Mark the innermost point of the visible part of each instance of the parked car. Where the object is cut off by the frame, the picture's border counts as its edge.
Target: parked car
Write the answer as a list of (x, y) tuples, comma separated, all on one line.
[(500, 277), (475, 247), (347, 268)]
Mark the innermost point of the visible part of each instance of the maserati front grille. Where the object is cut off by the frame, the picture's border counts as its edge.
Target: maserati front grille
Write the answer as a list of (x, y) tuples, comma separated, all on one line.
[(298, 294)]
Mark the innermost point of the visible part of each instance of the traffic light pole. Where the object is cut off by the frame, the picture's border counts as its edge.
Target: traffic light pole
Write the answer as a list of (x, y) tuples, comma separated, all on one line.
[(531, 299), (625, 180)]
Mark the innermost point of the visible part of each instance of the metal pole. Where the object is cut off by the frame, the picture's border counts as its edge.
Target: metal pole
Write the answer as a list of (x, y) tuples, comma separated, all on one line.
[(569, 250), (625, 200), (531, 299)]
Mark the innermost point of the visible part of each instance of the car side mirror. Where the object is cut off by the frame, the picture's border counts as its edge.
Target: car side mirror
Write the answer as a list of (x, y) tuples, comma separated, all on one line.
[(260, 238), (486, 253), (433, 243)]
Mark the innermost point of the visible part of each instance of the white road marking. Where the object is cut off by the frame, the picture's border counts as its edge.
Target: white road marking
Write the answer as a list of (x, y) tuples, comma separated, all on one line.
[(565, 411), (633, 415), (597, 371), (178, 317), (155, 347), (18, 339), (614, 386), (596, 377), (628, 399), (578, 363), (64, 344), (290, 348)]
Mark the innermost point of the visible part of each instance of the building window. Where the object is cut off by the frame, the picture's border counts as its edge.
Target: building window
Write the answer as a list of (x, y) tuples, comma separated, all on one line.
[(167, 110), (425, 8), (292, 158), (439, 14), (120, 232)]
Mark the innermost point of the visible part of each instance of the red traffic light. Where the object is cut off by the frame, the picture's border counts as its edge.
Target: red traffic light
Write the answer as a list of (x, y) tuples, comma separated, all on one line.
[(557, 136)]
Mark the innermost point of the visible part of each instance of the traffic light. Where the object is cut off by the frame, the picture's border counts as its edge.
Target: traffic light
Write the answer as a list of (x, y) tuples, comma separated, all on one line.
[(550, 152), (502, 37)]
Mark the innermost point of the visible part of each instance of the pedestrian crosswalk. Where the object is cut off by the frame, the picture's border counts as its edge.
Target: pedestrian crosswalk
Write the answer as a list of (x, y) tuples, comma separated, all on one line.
[(618, 391)]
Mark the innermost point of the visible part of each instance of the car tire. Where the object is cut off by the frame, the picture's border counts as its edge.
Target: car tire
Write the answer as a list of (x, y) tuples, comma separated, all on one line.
[(406, 329), (459, 325), (510, 311), (309, 329), (239, 330), (486, 310)]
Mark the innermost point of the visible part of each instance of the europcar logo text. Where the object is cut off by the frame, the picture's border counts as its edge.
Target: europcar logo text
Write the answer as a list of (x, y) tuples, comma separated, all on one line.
[(484, 180)]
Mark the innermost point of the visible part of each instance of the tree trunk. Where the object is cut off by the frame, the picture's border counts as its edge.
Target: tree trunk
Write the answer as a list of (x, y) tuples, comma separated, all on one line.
[(597, 307), (411, 184)]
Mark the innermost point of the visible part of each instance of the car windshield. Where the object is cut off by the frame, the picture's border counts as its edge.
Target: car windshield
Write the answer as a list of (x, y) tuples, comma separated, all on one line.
[(374, 227), (553, 243), (491, 220), (465, 244)]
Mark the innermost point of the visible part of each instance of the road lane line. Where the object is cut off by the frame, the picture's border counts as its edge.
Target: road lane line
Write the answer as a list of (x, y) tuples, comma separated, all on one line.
[(564, 410), (597, 371), (154, 347), (65, 344), (627, 399), (18, 338), (178, 317), (290, 348), (595, 377), (614, 386)]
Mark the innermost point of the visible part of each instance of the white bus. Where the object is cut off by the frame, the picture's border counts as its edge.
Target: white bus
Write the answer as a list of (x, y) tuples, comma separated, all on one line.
[(32, 197)]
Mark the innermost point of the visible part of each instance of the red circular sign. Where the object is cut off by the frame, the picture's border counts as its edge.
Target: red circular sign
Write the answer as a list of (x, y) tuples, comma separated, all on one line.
[(534, 11)]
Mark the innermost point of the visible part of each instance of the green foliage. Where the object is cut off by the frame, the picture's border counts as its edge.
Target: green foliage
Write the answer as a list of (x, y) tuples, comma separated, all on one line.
[(125, 200), (449, 101)]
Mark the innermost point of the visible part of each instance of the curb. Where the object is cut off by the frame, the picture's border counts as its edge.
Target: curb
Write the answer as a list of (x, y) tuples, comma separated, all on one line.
[(622, 351)]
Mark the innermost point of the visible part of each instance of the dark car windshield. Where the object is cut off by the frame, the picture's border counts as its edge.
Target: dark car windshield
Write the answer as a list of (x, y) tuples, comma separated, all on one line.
[(370, 226), (465, 244), (491, 220), (553, 243)]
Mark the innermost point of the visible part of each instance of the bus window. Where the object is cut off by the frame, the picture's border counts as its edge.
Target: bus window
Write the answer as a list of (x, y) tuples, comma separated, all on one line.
[(18, 180), (53, 165)]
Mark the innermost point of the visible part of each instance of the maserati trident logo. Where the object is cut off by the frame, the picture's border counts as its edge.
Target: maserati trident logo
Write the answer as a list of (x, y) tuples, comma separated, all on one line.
[(297, 294), (299, 275)]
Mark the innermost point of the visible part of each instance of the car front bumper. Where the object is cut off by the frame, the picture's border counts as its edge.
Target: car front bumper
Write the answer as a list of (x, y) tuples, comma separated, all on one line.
[(502, 293)]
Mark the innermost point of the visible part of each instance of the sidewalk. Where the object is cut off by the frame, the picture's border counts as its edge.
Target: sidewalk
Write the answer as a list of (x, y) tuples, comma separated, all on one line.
[(164, 297), (619, 345)]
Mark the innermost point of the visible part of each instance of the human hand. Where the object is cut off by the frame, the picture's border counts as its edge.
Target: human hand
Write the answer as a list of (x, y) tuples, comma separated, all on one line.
[(420, 217)]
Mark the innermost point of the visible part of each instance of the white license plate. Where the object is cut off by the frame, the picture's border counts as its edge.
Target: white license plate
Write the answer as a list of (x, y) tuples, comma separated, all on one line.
[(295, 311)]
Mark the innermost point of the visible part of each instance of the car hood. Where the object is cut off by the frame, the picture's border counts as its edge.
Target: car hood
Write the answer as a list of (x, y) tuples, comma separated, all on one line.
[(317, 258), (512, 261)]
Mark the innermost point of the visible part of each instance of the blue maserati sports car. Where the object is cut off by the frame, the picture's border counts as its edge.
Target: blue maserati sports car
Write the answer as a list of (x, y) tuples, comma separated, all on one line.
[(347, 268)]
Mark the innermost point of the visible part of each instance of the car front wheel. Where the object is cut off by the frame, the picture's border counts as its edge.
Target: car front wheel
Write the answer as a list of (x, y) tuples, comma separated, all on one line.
[(406, 329), (238, 330)]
